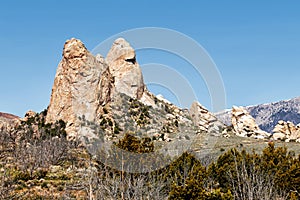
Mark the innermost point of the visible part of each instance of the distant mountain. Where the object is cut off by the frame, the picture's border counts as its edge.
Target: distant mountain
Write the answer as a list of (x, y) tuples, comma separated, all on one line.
[(267, 115), (6, 121), (7, 116)]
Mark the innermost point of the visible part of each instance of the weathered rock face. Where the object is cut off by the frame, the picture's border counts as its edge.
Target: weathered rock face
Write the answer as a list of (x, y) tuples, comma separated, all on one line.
[(286, 131), (125, 69), (244, 124), (82, 84)]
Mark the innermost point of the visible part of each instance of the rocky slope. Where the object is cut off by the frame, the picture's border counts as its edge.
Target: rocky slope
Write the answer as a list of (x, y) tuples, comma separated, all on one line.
[(268, 115)]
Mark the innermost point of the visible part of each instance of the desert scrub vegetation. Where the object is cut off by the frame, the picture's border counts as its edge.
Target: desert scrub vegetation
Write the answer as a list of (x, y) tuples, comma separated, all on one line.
[(27, 155), (37, 162), (274, 174), (139, 112)]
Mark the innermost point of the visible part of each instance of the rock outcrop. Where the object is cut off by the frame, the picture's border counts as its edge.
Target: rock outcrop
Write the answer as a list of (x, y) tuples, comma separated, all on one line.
[(82, 84), (244, 124), (110, 93), (205, 121), (28, 114), (126, 71), (201, 117), (286, 131)]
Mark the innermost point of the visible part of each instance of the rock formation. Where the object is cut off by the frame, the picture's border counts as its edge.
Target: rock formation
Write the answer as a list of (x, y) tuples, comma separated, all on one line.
[(110, 92), (205, 121), (125, 69), (286, 131), (82, 84), (244, 124), (201, 117), (28, 115), (128, 78)]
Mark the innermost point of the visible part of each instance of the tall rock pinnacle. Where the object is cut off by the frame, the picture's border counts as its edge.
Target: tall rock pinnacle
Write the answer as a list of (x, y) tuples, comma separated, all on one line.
[(82, 84), (126, 71)]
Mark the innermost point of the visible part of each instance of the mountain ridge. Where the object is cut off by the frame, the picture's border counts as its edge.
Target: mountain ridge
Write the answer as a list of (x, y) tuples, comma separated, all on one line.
[(8, 115), (267, 115)]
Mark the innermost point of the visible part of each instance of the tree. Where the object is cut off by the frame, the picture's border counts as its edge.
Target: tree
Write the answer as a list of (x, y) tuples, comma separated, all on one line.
[(270, 175)]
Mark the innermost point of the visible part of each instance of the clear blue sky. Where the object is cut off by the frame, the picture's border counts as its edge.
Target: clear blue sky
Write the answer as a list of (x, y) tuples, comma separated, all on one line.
[(255, 44)]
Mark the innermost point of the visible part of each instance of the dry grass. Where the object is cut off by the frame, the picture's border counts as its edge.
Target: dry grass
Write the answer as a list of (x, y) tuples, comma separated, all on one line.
[(219, 145)]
